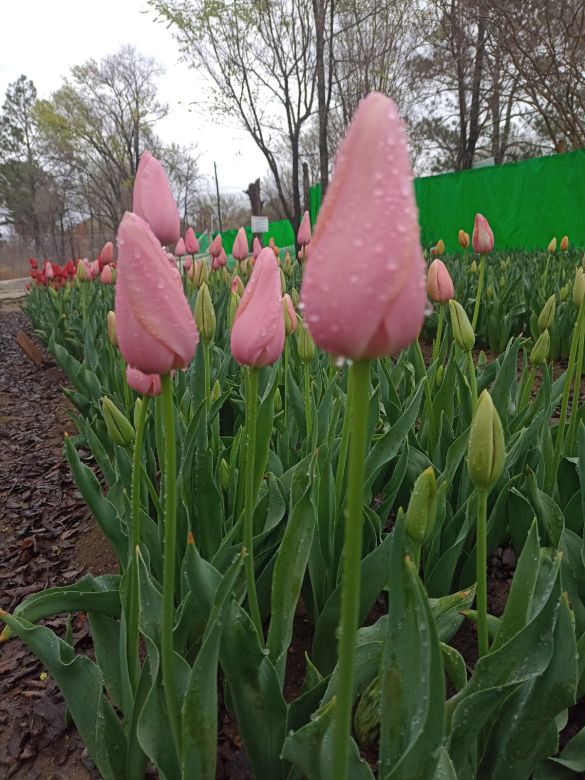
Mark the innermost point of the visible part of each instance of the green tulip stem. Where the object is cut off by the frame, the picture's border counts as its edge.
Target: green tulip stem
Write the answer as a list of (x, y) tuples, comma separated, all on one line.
[(250, 499), (472, 380), (560, 433), (437, 341), (576, 387), (352, 553), (307, 395), (342, 458), (285, 386), (207, 374), (481, 574), (525, 398), (169, 563), (480, 282), (133, 662), (158, 432)]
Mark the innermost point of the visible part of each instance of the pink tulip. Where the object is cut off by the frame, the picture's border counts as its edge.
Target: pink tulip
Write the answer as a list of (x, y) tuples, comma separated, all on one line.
[(107, 253), (291, 312), (240, 248), (439, 283), (145, 384), (222, 258), (94, 269), (215, 264), (216, 246), (304, 234), (180, 248), (154, 201), (187, 263), (483, 237), (256, 247), (237, 285), (191, 243), (106, 275), (258, 331), (155, 326), (48, 270), (378, 309)]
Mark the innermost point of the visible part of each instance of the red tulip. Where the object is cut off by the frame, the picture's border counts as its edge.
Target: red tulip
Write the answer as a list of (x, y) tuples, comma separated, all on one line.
[(191, 243), (483, 237), (257, 337), (156, 330), (379, 307), (154, 201)]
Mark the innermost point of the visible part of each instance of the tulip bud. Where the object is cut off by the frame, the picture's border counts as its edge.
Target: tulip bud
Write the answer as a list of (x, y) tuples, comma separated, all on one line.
[(462, 330), (224, 474), (81, 271), (200, 273), (439, 375), (119, 427), (287, 263), (53, 293), (547, 315), (482, 360), (111, 323), (463, 239), (483, 237), (233, 307), (137, 410), (552, 245), (205, 314), (540, 350), (473, 268), (486, 450), (282, 282), (237, 285), (367, 715), (439, 248), (422, 507), (564, 292), (579, 287), (277, 401), (290, 317), (564, 243), (305, 344), (67, 295), (294, 296), (215, 392)]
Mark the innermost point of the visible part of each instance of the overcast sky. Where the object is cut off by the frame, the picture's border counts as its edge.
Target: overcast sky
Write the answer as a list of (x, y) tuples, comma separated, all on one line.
[(43, 39)]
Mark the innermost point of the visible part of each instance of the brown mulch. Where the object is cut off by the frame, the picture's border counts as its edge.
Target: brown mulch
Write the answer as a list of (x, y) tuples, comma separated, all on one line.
[(43, 523)]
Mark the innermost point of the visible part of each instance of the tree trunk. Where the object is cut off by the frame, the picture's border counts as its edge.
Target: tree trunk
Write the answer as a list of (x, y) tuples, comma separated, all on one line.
[(474, 110), (322, 103)]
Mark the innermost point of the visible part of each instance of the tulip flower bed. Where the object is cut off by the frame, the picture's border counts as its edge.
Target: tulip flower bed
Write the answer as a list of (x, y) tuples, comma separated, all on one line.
[(246, 473)]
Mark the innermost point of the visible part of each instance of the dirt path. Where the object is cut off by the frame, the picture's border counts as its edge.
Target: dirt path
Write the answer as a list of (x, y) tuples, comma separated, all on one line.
[(13, 289), (48, 537)]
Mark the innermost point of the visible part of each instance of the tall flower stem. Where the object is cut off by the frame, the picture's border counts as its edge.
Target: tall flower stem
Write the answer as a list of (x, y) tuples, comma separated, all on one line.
[(250, 499), (307, 396), (437, 342), (133, 663), (527, 389), (352, 553), (481, 574), (576, 388), (285, 386), (480, 282), (560, 433), (472, 380), (342, 458), (167, 661)]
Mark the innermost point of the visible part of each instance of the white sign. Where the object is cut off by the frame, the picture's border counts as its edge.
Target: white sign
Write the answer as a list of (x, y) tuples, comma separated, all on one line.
[(259, 224)]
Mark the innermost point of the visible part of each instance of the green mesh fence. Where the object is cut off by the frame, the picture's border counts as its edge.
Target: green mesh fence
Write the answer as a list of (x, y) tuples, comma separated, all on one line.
[(281, 231), (526, 203)]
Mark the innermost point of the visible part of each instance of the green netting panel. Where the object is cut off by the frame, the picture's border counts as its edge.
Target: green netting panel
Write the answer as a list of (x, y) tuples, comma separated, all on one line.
[(314, 202), (526, 203), (281, 231)]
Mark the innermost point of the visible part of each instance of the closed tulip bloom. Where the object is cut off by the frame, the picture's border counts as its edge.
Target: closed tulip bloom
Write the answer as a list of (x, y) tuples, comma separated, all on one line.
[(256, 247), (216, 246), (463, 239), (439, 248), (180, 248), (156, 330), (145, 384), (49, 270), (222, 258), (187, 263), (290, 315), (439, 283), (240, 248), (564, 243), (552, 245), (304, 234), (483, 237), (379, 309), (153, 200), (106, 275), (191, 243), (237, 285), (94, 269), (107, 253), (111, 324), (258, 331), (81, 271)]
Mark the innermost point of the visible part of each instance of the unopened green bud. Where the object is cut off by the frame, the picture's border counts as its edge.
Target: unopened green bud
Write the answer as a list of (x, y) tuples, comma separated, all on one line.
[(137, 410), (306, 345), (539, 353), (199, 273), (502, 281), (422, 507), (53, 293), (277, 401), (439, 375), (473, 268), (224, 474), (205, 314), (282, 282), (111, 323), (233, 307), (486, 450), (462, 330), (215, 392), (482, 359), (224, 275), (547, 315), (564, 292), (290, 317), (119, 427), (81, 272), (67, 294), (294, 296), (367, 715), (287, 264), (579, 287)]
